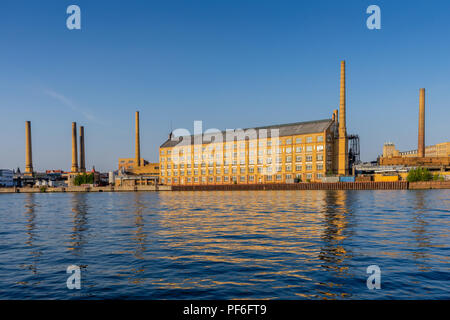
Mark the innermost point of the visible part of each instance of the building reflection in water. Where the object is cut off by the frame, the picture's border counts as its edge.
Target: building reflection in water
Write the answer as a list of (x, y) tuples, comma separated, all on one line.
[(275, 235), (31, 230), (80, 226), (336, 219), (338, 226), (139, 238), (421, 235)]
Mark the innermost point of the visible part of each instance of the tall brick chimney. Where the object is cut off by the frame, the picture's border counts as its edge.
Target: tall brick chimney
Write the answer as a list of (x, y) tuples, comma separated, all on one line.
[(82, 153), (74, 148), (28, 149), (137, 159), (421, 144), (343, 144)]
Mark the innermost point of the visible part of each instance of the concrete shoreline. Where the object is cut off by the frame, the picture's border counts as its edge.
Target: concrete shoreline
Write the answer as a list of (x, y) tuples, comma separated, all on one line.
[(369, 185), (85, 189)]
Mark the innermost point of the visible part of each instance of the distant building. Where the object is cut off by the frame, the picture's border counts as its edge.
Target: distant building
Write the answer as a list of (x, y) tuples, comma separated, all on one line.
[(437, 150), (111, 177), (127, 165), (136, 180), (130, 163), (6, 178), (436, 157)]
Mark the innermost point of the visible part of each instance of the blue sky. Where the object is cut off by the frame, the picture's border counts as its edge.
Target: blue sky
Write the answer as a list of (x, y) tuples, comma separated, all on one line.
[(232, 64)]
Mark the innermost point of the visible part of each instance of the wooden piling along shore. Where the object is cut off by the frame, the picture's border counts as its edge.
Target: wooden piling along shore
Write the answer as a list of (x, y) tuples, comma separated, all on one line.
[(365, 185), (397, 185), (85, 189)]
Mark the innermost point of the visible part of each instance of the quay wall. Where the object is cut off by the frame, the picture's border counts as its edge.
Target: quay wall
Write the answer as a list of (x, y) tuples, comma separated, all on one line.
[(397, 185), (85, 189), (429, 185), (358, 185)]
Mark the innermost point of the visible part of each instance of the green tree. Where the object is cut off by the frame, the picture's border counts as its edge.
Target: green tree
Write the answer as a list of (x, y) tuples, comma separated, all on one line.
[(419, 174), (83, 179)]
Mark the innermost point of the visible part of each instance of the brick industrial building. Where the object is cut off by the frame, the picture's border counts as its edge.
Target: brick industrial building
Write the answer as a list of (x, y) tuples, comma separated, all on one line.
[(435, 157), (286, 153)]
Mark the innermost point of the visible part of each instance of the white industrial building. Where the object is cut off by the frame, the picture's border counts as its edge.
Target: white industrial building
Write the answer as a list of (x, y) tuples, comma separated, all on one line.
[(6, 178)]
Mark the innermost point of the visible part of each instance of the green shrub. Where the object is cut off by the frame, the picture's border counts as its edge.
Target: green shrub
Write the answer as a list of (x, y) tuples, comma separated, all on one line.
[(83, 179), (419, 174), (438, 177)]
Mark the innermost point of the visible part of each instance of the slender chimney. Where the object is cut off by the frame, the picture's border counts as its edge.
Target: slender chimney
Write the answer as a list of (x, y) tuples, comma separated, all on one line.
[(137, 159), (342, 124), (28, 149), (421, 144), (343, 143), (335, 115), (82, 154), (74, 148)]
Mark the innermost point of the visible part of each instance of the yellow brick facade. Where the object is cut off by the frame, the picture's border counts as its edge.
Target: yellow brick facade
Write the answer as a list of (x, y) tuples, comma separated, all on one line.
[(286, 159), (437, 150), (129, 163), (146, 168)]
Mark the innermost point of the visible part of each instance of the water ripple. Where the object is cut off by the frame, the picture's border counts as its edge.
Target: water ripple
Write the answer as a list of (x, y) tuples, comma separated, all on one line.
[(226, 245)]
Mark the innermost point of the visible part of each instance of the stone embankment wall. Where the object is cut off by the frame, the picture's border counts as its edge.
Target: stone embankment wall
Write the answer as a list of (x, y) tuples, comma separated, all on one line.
[(362, 185), (398, 185), (86, 189)]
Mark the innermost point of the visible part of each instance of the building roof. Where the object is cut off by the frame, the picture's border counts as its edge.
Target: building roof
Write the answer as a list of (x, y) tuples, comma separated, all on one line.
[(288, 129)]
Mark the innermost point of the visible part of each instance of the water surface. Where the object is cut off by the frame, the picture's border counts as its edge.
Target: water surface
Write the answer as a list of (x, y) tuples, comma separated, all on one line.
[(303, 244)]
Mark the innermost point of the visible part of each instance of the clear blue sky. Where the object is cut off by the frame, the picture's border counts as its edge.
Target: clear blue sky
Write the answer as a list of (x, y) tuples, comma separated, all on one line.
[(232, 64)]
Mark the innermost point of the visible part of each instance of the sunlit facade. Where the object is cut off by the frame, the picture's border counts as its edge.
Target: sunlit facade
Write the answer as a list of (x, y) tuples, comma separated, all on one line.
[(289, 153)]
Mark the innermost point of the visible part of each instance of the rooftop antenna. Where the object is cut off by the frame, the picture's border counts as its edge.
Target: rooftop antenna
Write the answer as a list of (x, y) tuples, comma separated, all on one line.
[(170, 132)]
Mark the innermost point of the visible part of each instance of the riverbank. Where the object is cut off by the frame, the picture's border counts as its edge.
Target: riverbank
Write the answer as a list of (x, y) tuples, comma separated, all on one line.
[(369, 185), (429, 185), (85, 189), (366, 185)]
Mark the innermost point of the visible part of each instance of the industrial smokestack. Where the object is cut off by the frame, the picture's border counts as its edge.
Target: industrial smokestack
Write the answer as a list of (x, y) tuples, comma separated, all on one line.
[(28, 149), (335, 115), (342, 124), (138, 147), (343, 143), (82, 154), (74, 148), (421, 144)]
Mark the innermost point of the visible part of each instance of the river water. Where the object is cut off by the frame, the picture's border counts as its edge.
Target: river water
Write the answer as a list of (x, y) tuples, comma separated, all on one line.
[(226, 244)]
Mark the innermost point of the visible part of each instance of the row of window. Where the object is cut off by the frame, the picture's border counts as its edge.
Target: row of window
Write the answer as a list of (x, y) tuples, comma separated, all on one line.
[(251, 153), (260, 170), (225, 179), (124, 161), (252, 144), (260, 161)]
